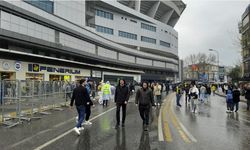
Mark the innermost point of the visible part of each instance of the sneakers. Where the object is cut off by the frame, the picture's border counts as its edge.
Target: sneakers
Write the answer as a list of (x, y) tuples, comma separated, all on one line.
[(81, 128), (87, 123), (146, 128), (77, 131), (229, 111)]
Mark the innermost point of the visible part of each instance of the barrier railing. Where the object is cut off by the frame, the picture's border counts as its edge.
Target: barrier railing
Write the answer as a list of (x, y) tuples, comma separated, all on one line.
[(26, 100), (10, 106)]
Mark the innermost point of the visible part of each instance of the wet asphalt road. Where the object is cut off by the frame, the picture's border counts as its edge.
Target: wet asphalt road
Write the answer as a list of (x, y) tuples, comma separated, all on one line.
[(177, 129)]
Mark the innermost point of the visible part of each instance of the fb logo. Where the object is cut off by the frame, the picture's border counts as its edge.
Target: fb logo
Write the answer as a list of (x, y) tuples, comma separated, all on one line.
[(18, 66)]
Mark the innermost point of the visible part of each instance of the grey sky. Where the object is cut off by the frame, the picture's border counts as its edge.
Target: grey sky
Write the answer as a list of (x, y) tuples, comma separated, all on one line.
[(212, 24)]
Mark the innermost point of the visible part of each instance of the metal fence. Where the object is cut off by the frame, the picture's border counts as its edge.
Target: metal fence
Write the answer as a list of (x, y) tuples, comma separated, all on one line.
[(27, 100)]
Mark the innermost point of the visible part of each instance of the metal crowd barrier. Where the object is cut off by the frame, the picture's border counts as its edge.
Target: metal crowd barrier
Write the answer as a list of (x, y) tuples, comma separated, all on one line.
[(22, 100), (10, 106)]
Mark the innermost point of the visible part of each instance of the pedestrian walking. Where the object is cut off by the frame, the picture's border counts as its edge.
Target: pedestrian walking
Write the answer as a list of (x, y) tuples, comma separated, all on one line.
[(236, 98), (106, 89), (167, 89), (121, 100), (208, 92), (202, 93), (145, 99), (81, 99), (247, 95), (157, 93), (88, 86), (178, 95), (194, 92), (229, 100), (68, 91), (186, 88)]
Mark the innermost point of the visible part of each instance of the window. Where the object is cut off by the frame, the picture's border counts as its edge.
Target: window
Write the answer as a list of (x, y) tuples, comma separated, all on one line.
[(148, 27), (45, 5), (245, 21), (104, 29), (104, 14), (128, 35), (147, 39), (166, 44)]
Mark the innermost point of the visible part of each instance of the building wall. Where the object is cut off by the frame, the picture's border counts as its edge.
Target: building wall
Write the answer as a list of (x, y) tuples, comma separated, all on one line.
[(122, 22), (20, 74), (73, 11), (76, 37)]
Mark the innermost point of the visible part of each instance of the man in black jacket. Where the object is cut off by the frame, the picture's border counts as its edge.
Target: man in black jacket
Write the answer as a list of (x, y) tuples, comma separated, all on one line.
[(236, 98), (82, 99), (121, 100), (144, 97)]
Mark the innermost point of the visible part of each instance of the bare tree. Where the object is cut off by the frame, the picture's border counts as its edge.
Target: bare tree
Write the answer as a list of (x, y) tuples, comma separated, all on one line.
[(200, 58)]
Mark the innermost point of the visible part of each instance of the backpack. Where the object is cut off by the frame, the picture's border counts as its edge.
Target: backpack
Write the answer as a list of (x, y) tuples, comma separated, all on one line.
[(229, 96)]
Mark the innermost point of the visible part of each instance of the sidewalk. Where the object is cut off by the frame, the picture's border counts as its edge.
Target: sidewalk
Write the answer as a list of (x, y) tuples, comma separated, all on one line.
[(242, 98)]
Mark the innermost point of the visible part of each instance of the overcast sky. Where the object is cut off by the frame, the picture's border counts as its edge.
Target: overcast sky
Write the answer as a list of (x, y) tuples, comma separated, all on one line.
[(207, 24)]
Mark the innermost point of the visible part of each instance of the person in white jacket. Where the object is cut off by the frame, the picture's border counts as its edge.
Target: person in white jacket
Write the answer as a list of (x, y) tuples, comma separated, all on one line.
[(194, 92)]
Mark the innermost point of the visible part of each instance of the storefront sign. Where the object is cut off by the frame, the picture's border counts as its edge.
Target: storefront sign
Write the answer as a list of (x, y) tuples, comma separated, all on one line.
[(39, 68), (6, 65), (97, 74), (18, 66)]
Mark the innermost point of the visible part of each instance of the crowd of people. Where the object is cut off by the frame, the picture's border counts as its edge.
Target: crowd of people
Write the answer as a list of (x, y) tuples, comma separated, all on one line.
[(200, 93), (148, 95)]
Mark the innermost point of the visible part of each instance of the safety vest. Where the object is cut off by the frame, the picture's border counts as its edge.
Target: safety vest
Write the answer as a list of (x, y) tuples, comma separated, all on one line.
[(106, 89), (178, 90)]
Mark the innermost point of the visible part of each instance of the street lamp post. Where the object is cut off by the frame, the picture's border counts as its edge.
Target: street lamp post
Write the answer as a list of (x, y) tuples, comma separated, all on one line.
[(218, 56)]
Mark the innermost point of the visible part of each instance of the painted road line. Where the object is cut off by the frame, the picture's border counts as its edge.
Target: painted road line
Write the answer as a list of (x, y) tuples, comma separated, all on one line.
[(160, 132), (175, 123), (68, 132), (166, 129), (184, 132)]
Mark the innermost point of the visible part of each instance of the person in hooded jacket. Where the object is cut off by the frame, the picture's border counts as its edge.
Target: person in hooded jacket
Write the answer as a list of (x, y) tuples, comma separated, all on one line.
[(229, 100), (121, 100), (247, 95), (236, 98), (145, 99)]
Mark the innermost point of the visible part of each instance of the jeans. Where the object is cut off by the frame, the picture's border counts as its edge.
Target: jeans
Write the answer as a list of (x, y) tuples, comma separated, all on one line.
[(88, 112), (237, 106), (178, 97), (202, 96), (158, 98), (194, 104), (230, 106), (248, 104), (144, 113), (105, 102), (68, 95), (118, 107), (81, 114), (187, 97)]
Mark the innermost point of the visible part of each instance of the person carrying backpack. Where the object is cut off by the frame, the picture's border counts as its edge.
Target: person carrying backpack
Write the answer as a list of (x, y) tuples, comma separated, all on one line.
[(247, 95), (229, 100)]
